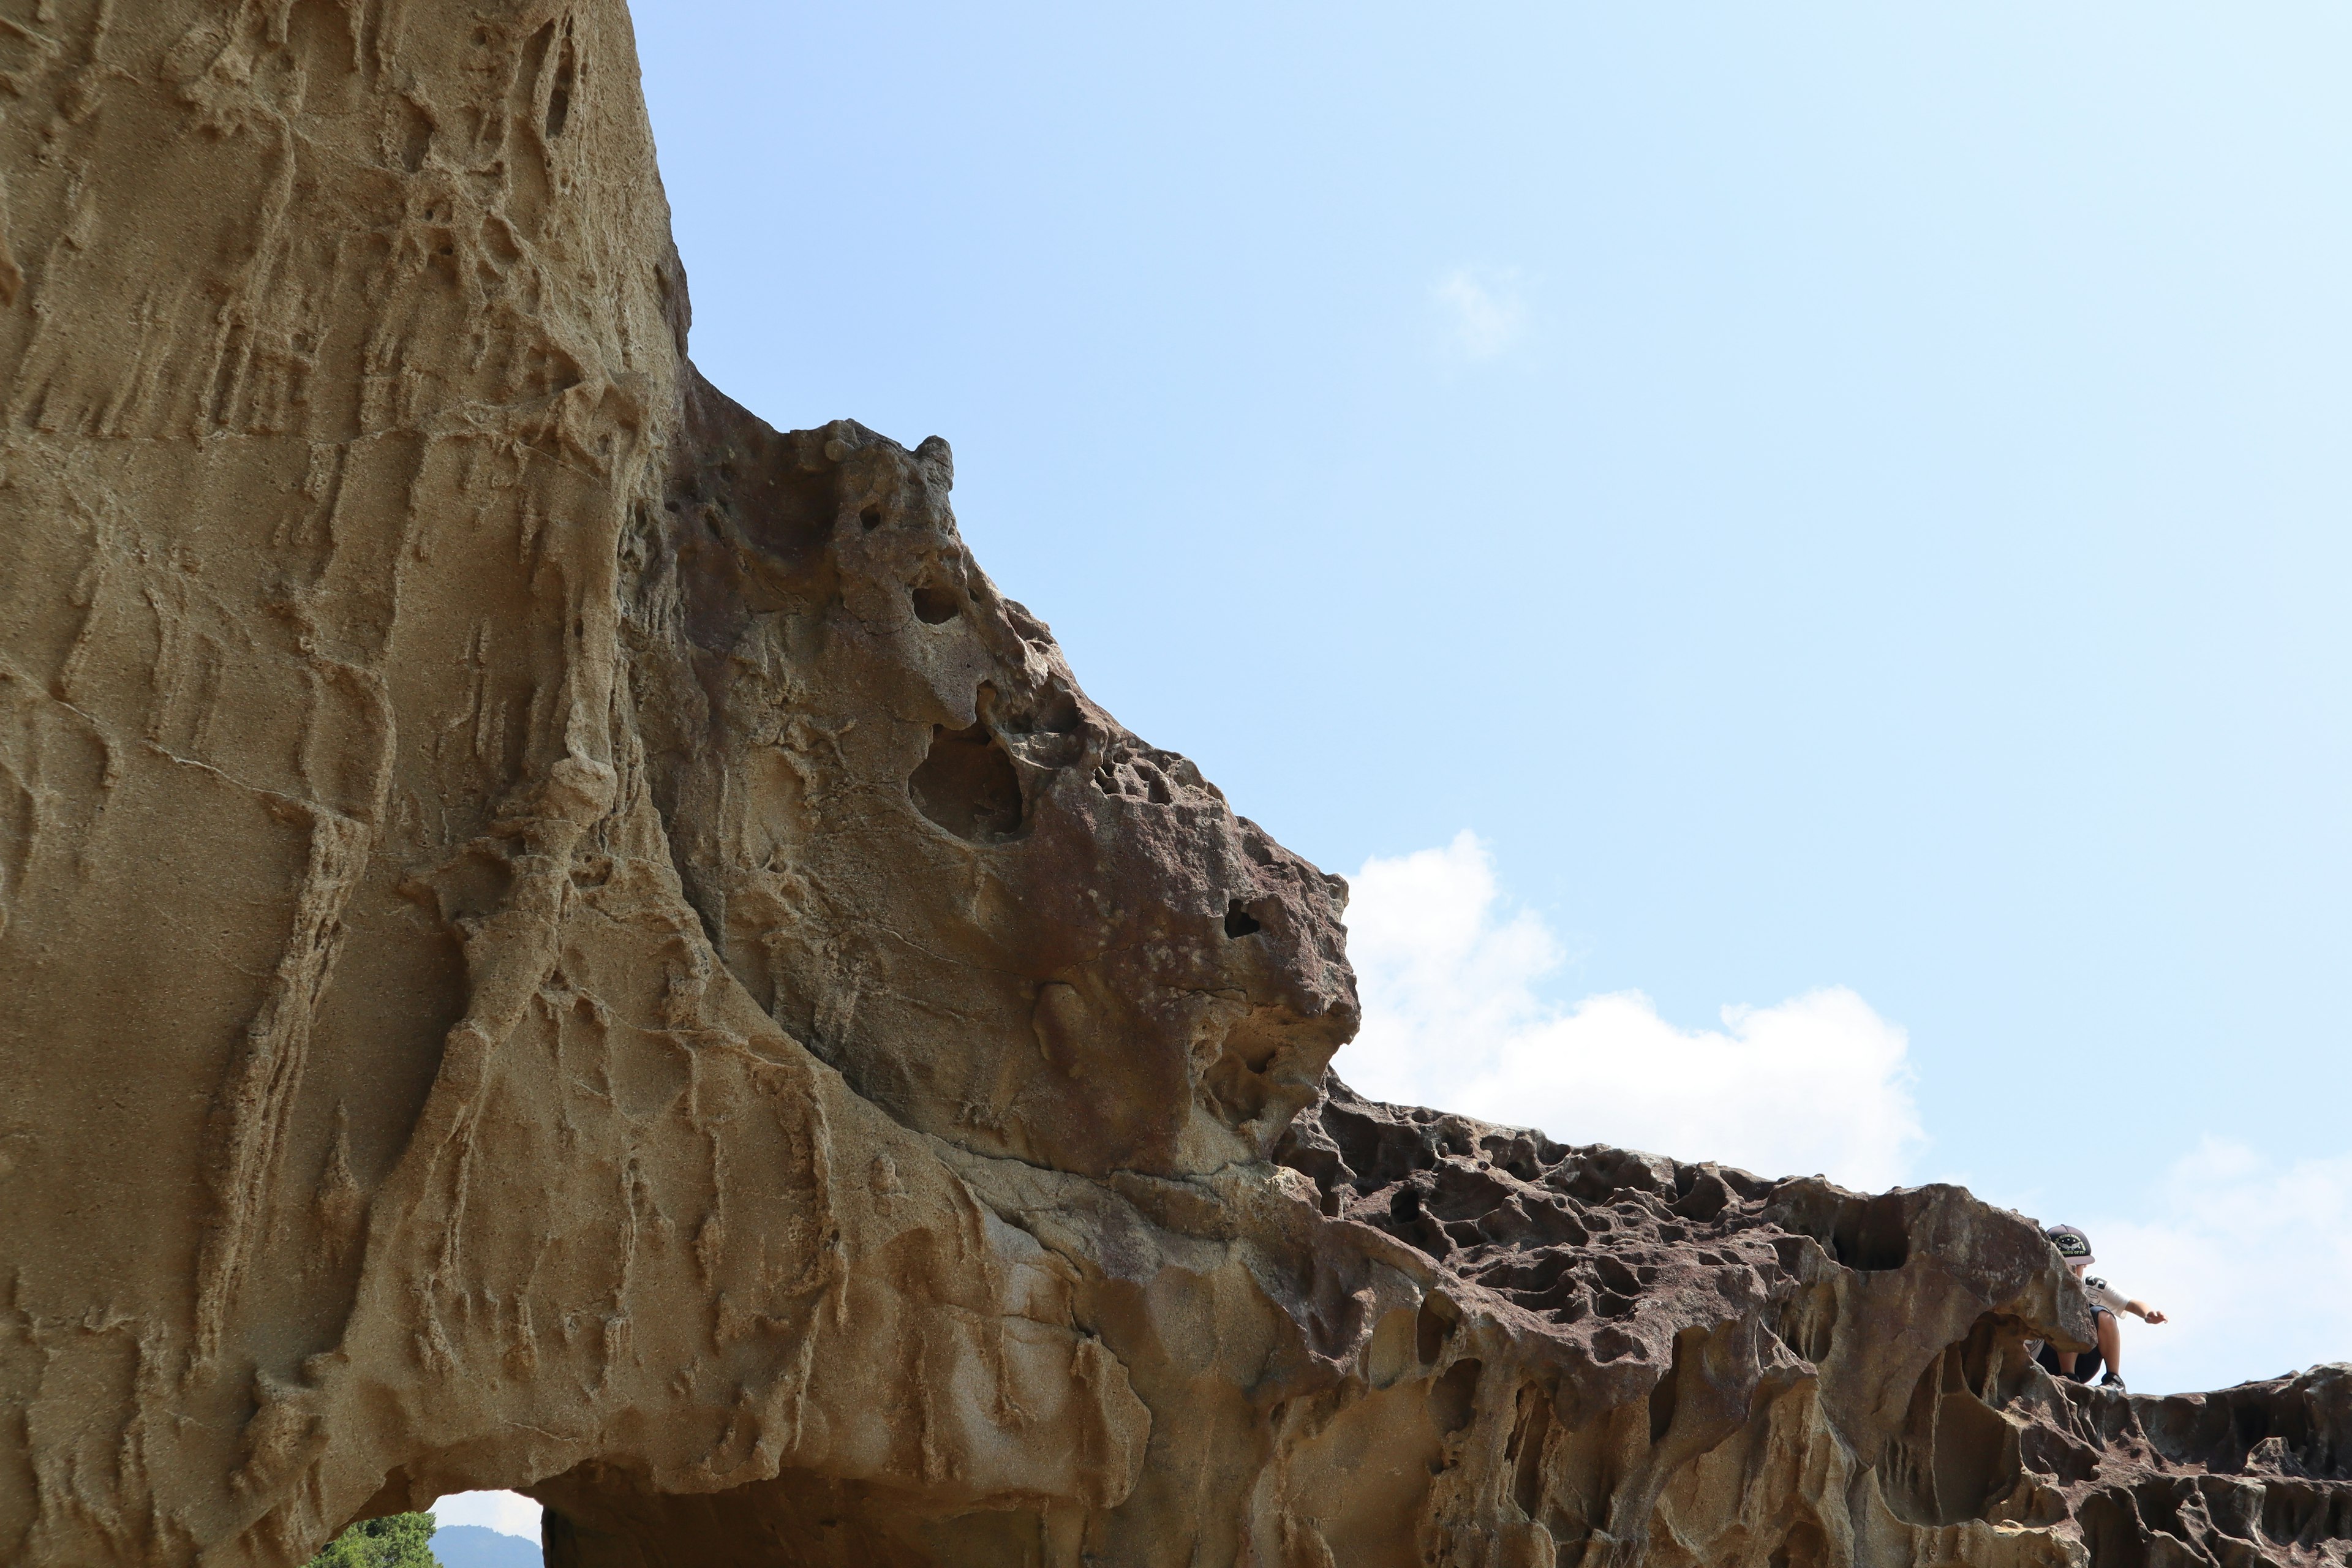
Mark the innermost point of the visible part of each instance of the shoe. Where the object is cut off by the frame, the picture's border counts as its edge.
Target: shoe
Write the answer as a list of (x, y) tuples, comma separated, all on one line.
[(2112, 1381)]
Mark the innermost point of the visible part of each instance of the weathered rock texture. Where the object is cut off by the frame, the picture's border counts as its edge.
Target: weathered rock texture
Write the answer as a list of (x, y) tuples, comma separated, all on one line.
[(555, 937)]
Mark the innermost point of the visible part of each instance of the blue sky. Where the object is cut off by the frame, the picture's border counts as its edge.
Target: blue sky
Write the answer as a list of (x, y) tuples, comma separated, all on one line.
[(1836, 499)]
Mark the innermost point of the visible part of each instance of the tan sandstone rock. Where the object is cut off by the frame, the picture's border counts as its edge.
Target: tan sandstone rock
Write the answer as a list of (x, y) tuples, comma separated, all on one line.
[(555, 937)]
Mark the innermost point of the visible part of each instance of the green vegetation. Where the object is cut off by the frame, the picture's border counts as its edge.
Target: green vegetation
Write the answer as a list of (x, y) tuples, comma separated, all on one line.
[(396, 1541)]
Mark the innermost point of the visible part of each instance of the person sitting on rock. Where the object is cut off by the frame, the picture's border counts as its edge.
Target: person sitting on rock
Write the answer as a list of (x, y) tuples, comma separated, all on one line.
[(2105, 1302)]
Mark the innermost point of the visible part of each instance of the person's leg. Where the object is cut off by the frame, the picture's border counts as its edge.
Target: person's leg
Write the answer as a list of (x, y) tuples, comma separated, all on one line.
[(2111, 1343), (2066, 1362)]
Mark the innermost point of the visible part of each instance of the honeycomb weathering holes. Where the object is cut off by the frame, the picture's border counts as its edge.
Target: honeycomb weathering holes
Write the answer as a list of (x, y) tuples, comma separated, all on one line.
[(1239, 921), (967, 784), (979, 1259), (933, 606)]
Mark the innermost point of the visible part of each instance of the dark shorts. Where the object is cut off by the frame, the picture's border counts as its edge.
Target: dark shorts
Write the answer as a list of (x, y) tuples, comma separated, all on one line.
[(2086, 1362)]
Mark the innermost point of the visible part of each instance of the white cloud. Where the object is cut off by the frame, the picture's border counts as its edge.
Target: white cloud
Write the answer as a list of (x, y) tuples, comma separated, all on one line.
[(1452, 1018), (2251, 1258), (509, 1513), (1485, 315)]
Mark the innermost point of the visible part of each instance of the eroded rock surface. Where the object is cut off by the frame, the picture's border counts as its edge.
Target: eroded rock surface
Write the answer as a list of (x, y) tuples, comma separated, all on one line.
[(556, 937), (1664, 1363)]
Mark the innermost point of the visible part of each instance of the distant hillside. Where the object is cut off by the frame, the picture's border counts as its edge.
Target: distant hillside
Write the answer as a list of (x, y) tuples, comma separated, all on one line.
[(471, 1546)]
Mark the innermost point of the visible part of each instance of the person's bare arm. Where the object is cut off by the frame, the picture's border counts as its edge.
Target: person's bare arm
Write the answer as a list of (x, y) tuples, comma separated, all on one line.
[(2102, 1294)]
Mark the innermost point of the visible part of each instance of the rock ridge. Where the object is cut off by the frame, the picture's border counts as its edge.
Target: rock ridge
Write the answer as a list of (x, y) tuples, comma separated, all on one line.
[(560, 938)]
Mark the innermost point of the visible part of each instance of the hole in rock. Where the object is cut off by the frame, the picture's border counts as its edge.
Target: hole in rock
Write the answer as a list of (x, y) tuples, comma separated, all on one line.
[(1526, 1450), (1708, 1196), (1809, 1322), (871, 516), (795, 1520), (1431, 1328), (933, 606), (1668, 1391), (416, 139), (509, 1514), (1239, 921), (967, 784), (1238, 1084), (1454, 1395), (559, 100), (1870, 1235), (2112, 1530), (1613, 1273), (1804, 1547)]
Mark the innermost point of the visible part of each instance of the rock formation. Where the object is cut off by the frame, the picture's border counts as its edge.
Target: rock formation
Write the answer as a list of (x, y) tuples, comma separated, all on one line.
[(555, 937)]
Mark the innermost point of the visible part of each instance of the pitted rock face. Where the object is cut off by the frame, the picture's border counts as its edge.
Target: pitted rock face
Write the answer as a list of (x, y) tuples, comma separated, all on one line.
[(911, 836), (1752, 1327), (556, 937)]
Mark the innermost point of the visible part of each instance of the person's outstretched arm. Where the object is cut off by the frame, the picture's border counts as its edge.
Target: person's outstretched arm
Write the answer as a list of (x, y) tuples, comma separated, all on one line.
[(2102, 1294)]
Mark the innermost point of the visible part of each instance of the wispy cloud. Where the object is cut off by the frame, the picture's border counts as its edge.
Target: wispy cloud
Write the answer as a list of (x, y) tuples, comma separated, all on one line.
[(1484, 309), (1452, 1018)]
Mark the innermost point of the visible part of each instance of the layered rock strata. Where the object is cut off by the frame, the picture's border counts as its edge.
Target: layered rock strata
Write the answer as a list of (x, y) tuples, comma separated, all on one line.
[(556, 937)]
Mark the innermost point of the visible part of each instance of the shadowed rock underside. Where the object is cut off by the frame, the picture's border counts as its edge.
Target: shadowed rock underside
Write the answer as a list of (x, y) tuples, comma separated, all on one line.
[(556, 937)]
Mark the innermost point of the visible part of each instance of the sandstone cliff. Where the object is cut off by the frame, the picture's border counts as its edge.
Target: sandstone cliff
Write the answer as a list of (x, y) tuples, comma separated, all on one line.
[(556, 937)]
